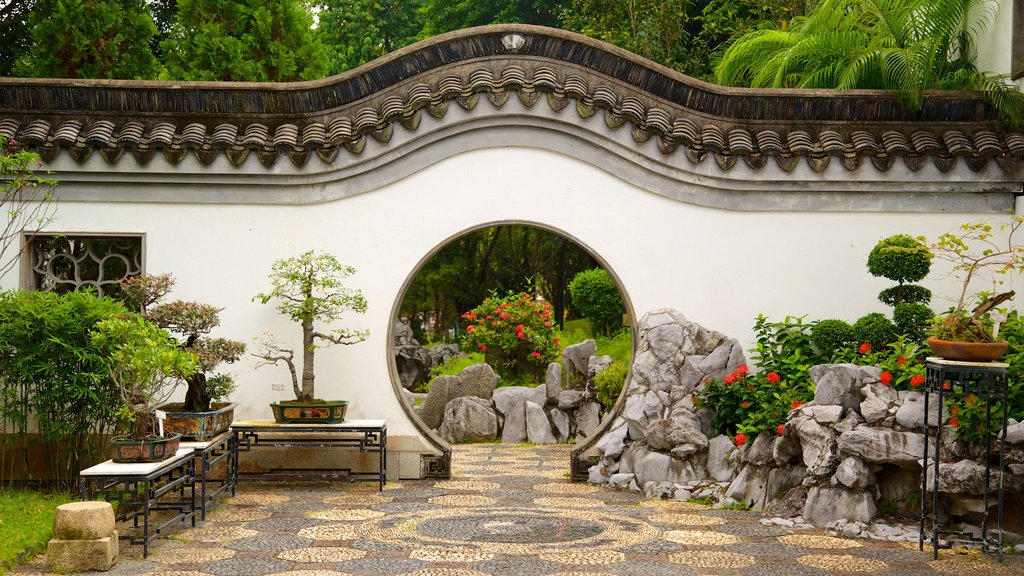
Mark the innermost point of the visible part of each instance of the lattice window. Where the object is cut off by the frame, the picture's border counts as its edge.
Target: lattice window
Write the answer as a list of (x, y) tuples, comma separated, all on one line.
[(66, 263)]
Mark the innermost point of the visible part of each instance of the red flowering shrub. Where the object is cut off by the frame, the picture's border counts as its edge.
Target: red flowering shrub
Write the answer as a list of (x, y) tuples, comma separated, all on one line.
[(745, 403), (740, 439), (514, 332)]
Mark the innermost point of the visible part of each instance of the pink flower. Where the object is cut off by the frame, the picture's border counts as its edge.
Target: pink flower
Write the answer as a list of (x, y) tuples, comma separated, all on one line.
[(547, 323), (470, 329), (886, 378), (519, 328), (773, 378), (520, 335), (39, 163), (536, 354)]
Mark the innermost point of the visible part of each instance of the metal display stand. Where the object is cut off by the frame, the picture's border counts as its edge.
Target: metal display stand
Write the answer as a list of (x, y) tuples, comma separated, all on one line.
[(951, 379), (366, 435), (209, 454), (138, 489)]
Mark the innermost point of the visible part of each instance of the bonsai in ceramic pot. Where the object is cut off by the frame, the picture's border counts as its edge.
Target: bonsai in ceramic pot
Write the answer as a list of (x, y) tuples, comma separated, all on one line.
[(976, 249), (145, 364), (204, 414), (309, 289)]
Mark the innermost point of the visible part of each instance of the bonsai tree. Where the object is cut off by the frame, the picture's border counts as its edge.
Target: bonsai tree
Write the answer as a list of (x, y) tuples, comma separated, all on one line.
[(145, 363), (191, 321), (309, 289), (974, 249)]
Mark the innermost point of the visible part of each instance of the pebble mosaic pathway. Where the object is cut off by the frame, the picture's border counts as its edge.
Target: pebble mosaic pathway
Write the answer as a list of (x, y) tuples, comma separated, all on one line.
[(508, 510)]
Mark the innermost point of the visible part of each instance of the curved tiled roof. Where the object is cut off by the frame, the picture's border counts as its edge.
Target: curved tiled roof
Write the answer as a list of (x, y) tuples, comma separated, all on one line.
[(141, 120)]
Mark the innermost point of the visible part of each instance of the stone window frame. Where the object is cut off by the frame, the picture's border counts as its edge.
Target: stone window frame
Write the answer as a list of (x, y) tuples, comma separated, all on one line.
[(29, 273)]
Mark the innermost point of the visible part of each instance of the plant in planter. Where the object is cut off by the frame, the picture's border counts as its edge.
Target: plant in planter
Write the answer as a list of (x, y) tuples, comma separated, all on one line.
[(309, 289), (974, 249), (145, 364), (203, 414)]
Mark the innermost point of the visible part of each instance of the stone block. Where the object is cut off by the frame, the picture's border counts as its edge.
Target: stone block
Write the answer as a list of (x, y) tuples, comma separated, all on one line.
[(64, 556), (83, 521)]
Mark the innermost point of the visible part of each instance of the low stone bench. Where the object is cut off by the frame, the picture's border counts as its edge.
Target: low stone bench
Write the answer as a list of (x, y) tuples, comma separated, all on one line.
[(84, 538)]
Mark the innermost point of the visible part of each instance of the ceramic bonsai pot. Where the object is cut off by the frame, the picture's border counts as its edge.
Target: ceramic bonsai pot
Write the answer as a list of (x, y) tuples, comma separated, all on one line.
[(310, 412), (199, 426), (968, 351), (127, 450)]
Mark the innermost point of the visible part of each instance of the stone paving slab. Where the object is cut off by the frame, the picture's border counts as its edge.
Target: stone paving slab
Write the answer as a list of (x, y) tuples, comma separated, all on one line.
[(508, 510)]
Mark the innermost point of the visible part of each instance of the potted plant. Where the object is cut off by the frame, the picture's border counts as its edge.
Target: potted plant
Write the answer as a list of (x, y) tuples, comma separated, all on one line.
[(974, 249), (309, 289), (204, 414), (145, 364)]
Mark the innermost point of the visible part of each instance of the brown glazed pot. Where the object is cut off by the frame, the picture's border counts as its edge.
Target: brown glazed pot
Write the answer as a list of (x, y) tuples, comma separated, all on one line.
[(968, 351)]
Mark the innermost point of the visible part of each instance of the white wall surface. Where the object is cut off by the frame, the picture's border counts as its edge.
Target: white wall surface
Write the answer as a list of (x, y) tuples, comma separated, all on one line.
[(720, 268), (995, 46)]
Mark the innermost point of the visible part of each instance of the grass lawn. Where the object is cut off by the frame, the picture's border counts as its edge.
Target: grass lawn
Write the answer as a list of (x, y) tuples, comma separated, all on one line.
[(26, 522)]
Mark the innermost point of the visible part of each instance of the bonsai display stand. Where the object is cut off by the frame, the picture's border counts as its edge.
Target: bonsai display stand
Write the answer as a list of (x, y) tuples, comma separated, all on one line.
[(136, 490), (366, 435), (210, 453), (952, 379)]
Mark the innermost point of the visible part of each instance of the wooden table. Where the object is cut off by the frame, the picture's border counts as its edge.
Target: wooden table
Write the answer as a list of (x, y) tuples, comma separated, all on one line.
[(366, 435), (137, 489)]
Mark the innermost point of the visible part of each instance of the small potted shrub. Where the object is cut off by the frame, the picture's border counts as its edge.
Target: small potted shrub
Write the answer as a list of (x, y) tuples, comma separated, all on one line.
[(974, 249), (145, 364), (204, 414), (309, 289)]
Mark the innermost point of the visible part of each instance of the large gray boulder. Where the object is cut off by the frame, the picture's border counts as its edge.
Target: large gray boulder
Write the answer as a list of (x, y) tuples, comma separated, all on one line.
[(751, 486), (651, 466), (826, 503), (553, 382), (911, 414), (588, 416), (576, 359), (510, 404), (852, 472), (477, 380), (597, 364), (538, 427), (469, 419), (841, 384), (968, 477), (882, 445), (680, 436), (817, 445), (721, 464), (413, 363)]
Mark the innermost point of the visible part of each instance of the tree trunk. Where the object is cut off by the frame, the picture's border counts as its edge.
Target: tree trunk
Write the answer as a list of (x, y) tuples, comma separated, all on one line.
[(308, 350)]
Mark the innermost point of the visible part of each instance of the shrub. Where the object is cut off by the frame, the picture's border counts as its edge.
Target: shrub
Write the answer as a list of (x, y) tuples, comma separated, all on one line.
[(515, 333), (745, 404), (785, 348), (55, 377), (911, 293), (876, 330), (913, 320), (596, 296), (831, 336), (901, 258), (609, 383)]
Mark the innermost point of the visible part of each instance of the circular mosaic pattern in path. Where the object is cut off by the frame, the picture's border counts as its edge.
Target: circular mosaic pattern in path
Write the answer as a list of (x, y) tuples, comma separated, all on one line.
[(215, 533), (341, 514), (510, 530), (258, 499), (329, 532), (445, 554), (192, 555), (584, 557), (711, 559), (965, 567), (358, 499), (566, 488), (842, 563), (686, 519), (470, 485), (568, 502), (699, 538), (462, 500), (819, 542), (321, 554), (434, 571)]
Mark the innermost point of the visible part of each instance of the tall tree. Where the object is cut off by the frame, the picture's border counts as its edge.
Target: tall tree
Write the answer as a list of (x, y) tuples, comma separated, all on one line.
[(90, 39), (905, 46), (654, 29), (244, 41), (16, 32), (357, 31), (440, 16)]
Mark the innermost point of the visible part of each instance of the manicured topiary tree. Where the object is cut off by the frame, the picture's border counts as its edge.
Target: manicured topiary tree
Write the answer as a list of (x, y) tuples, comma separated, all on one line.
[(596, 296), (902, 259)]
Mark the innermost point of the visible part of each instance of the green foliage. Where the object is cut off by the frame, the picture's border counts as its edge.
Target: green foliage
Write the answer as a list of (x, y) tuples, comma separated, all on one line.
[(355, 32), (913, 320), (903, 46), (90, 39), (902, 362), (452, 366), (596, 295), (786, 348), (244, 41), (499, 259), (975, 249), (831, 336), (439, 16), (907, 293), (192, 321), (900, 258), (145, 364), (33, 528), (27, 199), (16, 31), (310, 289), (609, 382), (875, 329), (55, 379), (515, 333)]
